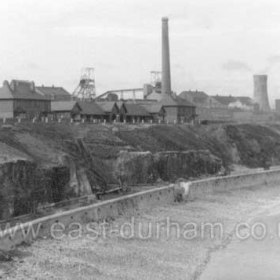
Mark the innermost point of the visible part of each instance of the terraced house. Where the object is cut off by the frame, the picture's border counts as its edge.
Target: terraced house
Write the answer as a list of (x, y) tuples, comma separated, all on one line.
[(20, 99)]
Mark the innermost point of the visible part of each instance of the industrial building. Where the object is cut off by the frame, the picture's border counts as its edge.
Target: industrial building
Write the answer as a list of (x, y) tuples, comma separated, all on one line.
[(64, 110), (20, 99), (132, 112), (54, 93), (157, 98), (110, 109)]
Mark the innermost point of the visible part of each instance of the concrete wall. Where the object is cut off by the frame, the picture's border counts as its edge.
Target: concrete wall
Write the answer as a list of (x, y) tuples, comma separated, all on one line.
[(128, 204), (197, 189), (92, 213)]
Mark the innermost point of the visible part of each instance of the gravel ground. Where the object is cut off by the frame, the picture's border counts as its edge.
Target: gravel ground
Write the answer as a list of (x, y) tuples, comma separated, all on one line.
[(162, 254)]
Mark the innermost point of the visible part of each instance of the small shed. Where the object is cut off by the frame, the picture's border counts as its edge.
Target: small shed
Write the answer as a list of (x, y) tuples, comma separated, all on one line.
[(65, 109), (110, 109), (91, 111), (156, 110), (132, 112)]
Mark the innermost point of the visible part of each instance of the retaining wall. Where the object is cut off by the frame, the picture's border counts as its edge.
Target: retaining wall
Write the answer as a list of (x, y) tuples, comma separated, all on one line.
[(197, 189), (41, 228), (131, 203)]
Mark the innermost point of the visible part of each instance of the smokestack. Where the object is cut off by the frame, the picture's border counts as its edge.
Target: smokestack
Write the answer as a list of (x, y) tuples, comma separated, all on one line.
[(166, 77), (260, 92)]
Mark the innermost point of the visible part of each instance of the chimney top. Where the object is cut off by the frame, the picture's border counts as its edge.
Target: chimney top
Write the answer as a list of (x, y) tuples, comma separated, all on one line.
[(164, 19)]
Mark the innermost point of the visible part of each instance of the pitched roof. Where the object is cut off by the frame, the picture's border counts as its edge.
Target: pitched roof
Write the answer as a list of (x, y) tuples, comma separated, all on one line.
[(53, 91), (133, 109), (225, 100), (195, 96), (153, 108), (246, 100), (175, 101), (62, 105), (18, 89), (107, 106), (90, 108)]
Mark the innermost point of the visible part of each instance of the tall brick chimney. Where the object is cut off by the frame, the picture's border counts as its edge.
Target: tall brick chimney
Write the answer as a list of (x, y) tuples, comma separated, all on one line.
[(166, 77)]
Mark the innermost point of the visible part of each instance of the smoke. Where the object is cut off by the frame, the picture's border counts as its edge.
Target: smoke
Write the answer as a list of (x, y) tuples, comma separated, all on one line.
[(236, 66), (272, 61)]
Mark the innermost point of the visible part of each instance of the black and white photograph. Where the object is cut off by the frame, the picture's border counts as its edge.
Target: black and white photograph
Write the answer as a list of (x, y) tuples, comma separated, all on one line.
[(139, 140)]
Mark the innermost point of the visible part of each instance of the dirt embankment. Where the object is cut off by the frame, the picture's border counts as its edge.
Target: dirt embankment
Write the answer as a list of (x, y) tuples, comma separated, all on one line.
[(44, 163)]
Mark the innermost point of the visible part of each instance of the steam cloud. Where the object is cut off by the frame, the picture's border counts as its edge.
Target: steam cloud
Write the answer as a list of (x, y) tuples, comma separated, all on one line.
[(233, 65)]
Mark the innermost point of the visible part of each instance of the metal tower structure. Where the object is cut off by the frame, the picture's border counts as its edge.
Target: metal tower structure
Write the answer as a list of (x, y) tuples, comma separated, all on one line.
[(86, 88), (155, 77), (156, 80)]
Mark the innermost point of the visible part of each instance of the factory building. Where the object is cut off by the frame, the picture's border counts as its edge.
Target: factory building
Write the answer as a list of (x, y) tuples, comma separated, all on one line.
[(244, 103), (54, 93), (177, 109), (201, 99), (20, 99)]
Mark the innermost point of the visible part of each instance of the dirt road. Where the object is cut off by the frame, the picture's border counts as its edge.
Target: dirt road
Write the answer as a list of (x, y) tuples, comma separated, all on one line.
[(179, 241)]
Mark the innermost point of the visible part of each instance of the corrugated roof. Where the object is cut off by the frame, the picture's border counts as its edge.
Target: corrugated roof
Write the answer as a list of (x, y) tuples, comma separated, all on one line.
[(90, 108), (62, 105), (133, 109)]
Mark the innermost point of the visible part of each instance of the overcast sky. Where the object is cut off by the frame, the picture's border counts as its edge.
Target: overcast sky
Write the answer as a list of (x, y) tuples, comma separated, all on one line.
[(216, 45)]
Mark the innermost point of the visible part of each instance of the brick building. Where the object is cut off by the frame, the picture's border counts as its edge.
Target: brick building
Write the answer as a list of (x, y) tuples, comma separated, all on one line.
[(178, 109), (55, 93), (20, 99)]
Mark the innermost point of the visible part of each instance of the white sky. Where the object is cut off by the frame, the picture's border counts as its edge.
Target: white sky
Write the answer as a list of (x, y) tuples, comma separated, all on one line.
[(216, 45)]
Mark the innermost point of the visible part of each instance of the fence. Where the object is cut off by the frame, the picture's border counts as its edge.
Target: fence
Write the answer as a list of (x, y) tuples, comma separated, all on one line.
[(13, 121)]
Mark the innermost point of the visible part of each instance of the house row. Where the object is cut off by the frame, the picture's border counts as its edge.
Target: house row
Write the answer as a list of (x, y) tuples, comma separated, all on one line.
[(106, 111), (218, 108)]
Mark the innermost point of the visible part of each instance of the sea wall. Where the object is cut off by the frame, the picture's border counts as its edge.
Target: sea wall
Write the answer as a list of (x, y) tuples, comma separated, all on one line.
[(134, 202)]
